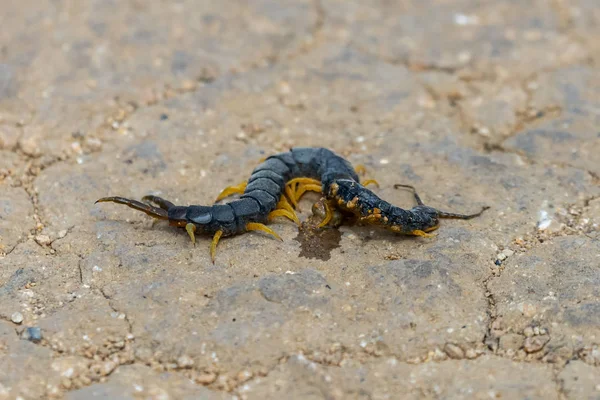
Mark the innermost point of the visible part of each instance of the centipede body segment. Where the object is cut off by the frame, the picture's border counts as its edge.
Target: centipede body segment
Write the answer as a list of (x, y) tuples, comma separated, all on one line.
[(273, 190)]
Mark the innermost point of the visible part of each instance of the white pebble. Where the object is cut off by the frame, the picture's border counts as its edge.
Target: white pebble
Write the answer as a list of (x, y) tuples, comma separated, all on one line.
[(17, 317)]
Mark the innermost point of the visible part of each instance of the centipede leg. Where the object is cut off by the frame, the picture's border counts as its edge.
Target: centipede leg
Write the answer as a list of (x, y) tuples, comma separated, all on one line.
[(154, 212), (370, 182), (284, 213), (293, 188), (191, 229), (284, 204), (229, 190), (360, 169), (291, 195), (213, 245), (328, 214), (304, 181), (303, 188), (255, 226), (421, 233)]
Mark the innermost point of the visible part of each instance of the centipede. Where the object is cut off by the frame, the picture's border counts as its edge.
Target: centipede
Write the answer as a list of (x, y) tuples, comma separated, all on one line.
[(274, 189)]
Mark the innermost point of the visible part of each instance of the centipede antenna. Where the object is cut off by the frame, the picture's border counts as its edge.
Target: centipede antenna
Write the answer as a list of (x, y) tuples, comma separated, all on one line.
[(136, 205), (417, 198), (443, 214), (159, 201)]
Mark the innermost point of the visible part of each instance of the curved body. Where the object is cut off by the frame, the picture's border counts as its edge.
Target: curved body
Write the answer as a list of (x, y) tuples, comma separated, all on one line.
[(264, 196), (265, 187)]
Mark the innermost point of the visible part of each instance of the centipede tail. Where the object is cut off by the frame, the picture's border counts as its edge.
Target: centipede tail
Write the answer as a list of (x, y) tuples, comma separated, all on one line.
[(136, 205)]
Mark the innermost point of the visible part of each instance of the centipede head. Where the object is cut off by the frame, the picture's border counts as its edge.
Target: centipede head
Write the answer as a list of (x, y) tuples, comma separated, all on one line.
[(427, 218), (418, 219)]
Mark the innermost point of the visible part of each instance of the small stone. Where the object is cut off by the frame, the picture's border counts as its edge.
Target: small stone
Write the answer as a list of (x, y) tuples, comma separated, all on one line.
[(438, 355), (144, 354), (559, 355), (17, 317), (93, 144), (501, 256), (206, 378), (511, 341), (508, 252), (454, 351), (33, 334), (43, 240), (243, 376), (66, 383), (185, 362), (471, 354), (528, 332), (535, 343), (29, 145)]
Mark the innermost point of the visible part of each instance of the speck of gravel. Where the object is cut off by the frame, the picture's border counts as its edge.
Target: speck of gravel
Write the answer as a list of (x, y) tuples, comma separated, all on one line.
[(454, 351), (535, 343), (33, 334), (43, 240), (16, 317)]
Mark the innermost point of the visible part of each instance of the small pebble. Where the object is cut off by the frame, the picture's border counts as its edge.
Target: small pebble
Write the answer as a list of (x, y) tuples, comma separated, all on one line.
[(33, 334), (535, 343), (17, 317), (528, 332), (471, 354), (206, 378), (185, 362), (43, 240), (93, 144), (454, 351)]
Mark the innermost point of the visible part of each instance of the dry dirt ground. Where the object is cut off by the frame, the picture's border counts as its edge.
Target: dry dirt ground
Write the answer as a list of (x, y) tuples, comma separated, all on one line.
[(474, 102)]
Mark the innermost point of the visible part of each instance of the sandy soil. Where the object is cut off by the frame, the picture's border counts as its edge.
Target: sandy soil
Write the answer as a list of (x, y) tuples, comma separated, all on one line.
[(474, 102)]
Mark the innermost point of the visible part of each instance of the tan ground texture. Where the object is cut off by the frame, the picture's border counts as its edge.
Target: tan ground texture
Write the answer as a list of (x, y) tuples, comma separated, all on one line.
[(474, 102)]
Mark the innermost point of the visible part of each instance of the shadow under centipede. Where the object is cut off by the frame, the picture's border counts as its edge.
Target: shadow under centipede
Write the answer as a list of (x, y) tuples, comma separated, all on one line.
[(317, 243)]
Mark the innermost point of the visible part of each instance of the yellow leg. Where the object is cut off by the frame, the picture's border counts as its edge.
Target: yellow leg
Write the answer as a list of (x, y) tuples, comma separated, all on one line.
[(213, 245), (191, 229), (370, 182), (290, 191), (423, 234), (228, 191), (303, 180), (284, 213), (284, 205), (360, 169), (255, 226), (304, 188), (291, 188), (328, 214)]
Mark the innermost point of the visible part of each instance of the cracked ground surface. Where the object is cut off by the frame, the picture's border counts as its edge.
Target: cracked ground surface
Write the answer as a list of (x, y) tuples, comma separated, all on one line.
[(474, 102)]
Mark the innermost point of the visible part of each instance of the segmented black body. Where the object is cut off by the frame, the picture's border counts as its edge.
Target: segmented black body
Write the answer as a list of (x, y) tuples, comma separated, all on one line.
[(265, 186)]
